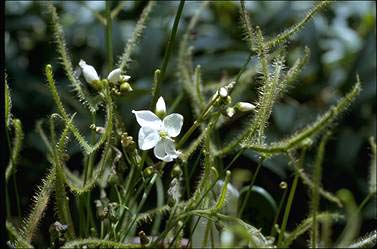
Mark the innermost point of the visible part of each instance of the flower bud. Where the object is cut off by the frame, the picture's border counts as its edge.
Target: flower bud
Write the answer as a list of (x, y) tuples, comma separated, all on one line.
[(176, 172), (230, 112), (160, 107), (244, 106), (90, 74), (227, 100), (149, 171), (125, 87), (223, 92)]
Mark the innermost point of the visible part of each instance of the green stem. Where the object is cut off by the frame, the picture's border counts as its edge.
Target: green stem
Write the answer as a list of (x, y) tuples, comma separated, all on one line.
[(168, 51), (235, 158), (243, 205), (144, 198), (290, 200), (17, 196), (109, 45), (288, 209), (273, 230), (197, 122), (8, 214), (317, 174), (364, 202)]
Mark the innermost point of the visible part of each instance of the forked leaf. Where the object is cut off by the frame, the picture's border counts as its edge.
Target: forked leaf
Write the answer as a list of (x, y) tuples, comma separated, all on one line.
[(16, 148)]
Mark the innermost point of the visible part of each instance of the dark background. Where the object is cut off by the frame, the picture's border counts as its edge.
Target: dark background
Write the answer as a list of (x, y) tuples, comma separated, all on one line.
[(342, 40)]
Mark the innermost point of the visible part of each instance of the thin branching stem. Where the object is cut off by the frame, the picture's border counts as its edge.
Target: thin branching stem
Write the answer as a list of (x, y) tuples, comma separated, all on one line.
[(290, 198), (246, 199), (108, 36), (169, 48)]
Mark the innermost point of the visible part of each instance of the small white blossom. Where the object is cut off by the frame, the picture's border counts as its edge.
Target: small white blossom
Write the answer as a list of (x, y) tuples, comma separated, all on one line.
[(115, 76), (156, 133), (90, 74)]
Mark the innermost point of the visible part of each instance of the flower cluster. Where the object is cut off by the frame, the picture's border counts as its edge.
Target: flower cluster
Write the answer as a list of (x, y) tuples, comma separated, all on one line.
[(156, 133), (117, 80)]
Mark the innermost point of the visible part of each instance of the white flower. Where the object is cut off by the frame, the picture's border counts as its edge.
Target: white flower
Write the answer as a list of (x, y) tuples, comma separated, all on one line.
[(90, 74), (115, 76), (158, 134)]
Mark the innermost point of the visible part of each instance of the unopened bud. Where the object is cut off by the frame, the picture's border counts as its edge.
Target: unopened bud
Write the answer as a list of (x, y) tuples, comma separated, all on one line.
[(227, 100), (244, 106), (307, 142), (90, 74), (176, 172), (283, 185), (230, 112), (223, 92), (125, 87), (160, 107), (148, 171), (100, 130)]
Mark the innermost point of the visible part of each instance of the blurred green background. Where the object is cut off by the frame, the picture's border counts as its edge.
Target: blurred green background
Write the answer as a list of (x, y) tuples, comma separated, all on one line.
[(342, 40)]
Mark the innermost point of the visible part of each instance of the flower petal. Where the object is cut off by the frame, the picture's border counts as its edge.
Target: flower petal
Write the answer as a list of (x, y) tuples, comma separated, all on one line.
[(114, 76), (148, 138), (148, 119), (90, 74), (125, 77), (173, 124), (165, 150)]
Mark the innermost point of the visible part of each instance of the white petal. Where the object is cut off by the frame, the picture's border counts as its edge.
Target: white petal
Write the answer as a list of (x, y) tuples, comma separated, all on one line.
[(125, 77), (148, 119), (90, 74), (165, 150), (114, 76), (173, 124), (148, 138), (160, 105)]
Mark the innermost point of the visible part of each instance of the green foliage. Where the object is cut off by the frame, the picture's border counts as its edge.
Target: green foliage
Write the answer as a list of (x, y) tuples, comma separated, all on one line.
[(16, 148), (40, 201), (125, 59), (111, 199), (82, 93)]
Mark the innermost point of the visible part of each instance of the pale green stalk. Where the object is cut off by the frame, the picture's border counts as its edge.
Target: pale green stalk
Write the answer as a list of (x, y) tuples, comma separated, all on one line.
[(290, 198), (108, 37), (168, 51)]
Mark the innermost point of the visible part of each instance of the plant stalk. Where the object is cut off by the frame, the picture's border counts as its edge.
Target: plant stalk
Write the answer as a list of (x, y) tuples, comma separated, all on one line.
[(168, 52), (108, 37)]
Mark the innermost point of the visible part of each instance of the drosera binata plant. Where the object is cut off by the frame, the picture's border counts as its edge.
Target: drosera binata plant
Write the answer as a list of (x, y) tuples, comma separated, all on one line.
[(104, 207)]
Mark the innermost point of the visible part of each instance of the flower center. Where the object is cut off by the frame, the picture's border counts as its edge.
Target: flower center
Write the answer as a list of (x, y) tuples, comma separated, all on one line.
[(163, 134)]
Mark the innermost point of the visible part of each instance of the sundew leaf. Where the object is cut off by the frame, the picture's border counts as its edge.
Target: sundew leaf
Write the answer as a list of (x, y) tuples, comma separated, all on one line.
[(311, 130), (40, 201), (8, 103), (91, 102)]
